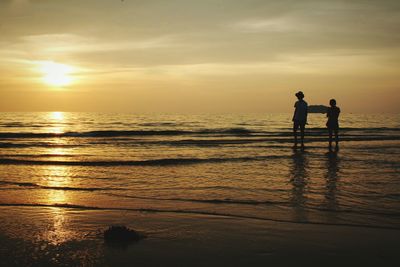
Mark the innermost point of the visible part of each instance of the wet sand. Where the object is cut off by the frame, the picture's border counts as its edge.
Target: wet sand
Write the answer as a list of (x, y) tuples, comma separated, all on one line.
[(50, 236)]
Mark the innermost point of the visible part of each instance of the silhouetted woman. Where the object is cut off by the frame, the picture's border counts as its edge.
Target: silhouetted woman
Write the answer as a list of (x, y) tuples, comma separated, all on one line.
[(333, 123)]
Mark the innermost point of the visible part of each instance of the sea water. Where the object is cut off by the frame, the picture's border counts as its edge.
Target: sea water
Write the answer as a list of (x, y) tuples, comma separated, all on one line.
[(232, 165)]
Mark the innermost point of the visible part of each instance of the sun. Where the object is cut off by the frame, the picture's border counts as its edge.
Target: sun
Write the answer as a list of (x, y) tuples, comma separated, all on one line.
[(56, 74)]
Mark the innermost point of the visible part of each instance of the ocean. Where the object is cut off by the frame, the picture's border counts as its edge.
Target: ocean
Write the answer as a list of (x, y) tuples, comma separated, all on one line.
[(240, 166)]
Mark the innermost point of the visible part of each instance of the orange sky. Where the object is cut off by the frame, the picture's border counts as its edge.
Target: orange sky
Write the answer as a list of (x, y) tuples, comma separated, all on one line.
[(182, 56)]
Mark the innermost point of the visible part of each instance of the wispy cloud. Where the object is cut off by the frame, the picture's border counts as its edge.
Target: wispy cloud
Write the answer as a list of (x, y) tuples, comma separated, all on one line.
[(52, 44), (30, 49), (280, 24), (308, 64)]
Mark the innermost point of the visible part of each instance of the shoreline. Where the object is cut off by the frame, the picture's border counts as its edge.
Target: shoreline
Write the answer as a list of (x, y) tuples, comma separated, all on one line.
[(58, 236), (83, 208)]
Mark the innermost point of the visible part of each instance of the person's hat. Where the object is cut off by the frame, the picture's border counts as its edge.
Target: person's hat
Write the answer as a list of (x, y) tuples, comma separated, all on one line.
[(299, 94)]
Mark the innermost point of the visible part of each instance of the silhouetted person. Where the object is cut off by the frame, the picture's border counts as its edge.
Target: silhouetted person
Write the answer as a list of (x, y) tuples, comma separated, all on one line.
[(299, 118), (333, 123)]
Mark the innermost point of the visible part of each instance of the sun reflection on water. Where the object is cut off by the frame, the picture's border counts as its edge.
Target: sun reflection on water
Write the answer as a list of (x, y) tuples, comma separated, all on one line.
[(59, 116), (57, 120), (57, 178)]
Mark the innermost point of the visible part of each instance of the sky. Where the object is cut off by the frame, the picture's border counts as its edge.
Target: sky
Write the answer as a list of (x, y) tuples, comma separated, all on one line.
[(209, 56)]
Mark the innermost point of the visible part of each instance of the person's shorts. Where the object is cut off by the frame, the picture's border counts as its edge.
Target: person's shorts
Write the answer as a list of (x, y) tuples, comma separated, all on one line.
[(297, 124), (332, 125)]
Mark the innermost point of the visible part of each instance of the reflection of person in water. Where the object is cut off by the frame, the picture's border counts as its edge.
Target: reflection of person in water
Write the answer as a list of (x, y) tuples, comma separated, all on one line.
[(333, 123), (332, 167), (299, 178)]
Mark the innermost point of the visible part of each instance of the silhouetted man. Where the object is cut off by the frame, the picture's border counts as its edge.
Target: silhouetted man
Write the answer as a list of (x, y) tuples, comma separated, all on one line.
[(299, 118), (333, 123)]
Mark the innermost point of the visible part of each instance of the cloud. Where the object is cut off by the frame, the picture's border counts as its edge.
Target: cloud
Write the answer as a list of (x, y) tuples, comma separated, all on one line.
[(73, 43), (72, 48), (280, 24)]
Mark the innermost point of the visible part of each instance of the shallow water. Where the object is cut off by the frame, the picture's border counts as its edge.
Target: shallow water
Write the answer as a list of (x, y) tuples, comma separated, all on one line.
[(240, 166)]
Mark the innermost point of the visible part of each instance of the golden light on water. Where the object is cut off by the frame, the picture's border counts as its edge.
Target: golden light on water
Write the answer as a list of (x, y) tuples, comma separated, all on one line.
[(56, 74), (57, 118), (58, 151), (59, 232), (56, 178)]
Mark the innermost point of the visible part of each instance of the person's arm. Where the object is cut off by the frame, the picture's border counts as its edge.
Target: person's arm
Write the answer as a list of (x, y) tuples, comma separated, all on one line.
[(306, 112), (295, 110)]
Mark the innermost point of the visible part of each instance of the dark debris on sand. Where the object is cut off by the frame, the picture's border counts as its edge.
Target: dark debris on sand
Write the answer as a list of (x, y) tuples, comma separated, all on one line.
[(121, 236)]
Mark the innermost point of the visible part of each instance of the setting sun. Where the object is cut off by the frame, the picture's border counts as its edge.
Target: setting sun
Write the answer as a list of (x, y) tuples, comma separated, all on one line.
[(56, 74)]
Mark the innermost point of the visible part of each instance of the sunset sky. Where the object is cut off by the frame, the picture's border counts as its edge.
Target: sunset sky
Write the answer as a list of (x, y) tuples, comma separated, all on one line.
[(182, 56)]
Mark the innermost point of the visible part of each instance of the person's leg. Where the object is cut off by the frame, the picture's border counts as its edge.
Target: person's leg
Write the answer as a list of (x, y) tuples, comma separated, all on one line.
[(330, 138), (295, 127), (302, 126), (337, 138)]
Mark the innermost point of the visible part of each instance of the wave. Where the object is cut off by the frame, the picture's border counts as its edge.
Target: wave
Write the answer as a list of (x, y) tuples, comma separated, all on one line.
[(279, 142), (65, 188), (200, 142), (41, 155), (155, 162), (271, 142), (211, 201), (22, 125), (249, 202), (195, 212), (117, 133), (158, 124), (36, 144), (351, 129), (258, 202), (240, 132), (350, 209)]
